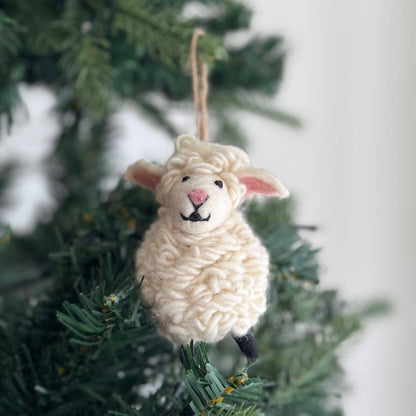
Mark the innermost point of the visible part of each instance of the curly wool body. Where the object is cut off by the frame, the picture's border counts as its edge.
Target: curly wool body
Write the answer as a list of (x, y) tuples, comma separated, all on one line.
[(204, 273), (203, 287)]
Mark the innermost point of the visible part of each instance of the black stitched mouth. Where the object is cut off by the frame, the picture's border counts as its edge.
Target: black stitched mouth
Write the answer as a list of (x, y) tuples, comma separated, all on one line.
[(195, 217)]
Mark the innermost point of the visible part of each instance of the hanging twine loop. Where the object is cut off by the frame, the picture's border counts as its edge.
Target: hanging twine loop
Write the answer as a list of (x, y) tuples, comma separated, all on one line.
[(199, 86)]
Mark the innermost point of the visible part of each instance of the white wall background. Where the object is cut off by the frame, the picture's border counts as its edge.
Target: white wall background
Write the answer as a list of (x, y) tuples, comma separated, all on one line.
[(351, 78)]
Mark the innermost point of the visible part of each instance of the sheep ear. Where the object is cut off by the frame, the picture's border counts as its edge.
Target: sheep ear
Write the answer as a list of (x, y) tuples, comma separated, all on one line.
[(261, 182), (145, 174)]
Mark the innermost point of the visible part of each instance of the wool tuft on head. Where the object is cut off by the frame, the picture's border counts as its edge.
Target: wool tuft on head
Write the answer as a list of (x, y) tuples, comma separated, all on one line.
[(204, 271)]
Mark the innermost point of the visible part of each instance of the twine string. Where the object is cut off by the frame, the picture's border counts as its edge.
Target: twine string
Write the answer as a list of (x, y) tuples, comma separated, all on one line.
[(199, 87)]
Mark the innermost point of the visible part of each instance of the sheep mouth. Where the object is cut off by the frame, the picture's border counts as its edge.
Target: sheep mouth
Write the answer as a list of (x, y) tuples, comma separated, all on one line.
[(195, 217)]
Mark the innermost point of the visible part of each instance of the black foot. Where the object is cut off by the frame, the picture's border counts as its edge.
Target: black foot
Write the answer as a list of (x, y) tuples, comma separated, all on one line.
[(248, 346)]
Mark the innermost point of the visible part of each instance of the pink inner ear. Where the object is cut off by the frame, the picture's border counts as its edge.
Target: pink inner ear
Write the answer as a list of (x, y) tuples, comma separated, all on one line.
[(257, 186), (145, 178)]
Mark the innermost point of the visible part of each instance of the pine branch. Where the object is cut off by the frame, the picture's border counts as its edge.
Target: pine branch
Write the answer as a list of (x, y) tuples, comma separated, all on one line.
[(162, 33), (213, 393), (256, 66), (10, 73), (9, 39), (85, 61), (293, 260), (6, 174)]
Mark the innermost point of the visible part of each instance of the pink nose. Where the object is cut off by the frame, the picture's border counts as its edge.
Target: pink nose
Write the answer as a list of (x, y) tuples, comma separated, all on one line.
[(198, 196)]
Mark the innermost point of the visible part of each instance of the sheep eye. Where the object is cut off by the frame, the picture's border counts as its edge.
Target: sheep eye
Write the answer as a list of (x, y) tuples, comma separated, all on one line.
[(219, 184), (185, 178)]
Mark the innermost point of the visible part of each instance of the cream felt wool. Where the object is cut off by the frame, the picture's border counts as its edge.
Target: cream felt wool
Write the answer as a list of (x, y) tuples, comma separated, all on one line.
[(204, 271)]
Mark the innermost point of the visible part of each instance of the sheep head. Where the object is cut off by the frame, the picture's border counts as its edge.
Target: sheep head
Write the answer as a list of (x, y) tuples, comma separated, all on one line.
[(202, 183)]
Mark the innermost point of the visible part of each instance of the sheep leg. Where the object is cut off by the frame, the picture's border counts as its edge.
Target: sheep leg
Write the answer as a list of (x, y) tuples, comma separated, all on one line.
[(248, 346)]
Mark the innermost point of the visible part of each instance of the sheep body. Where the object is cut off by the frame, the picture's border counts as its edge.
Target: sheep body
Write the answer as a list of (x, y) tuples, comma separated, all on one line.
[(203, 287)]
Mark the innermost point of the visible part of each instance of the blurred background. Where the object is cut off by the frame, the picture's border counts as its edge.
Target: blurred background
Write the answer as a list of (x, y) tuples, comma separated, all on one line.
[(350, 78)]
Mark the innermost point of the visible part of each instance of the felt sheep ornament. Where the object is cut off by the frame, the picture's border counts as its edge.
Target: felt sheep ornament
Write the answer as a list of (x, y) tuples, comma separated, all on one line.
[(203, 271)]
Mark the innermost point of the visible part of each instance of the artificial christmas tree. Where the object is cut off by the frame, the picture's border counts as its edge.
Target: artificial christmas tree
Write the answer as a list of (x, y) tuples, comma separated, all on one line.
[(75, 338)]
